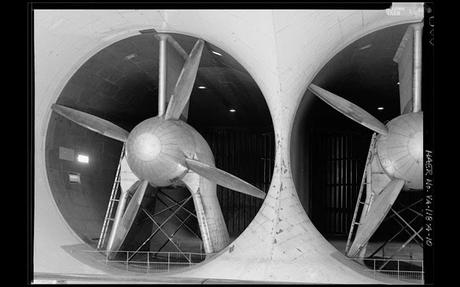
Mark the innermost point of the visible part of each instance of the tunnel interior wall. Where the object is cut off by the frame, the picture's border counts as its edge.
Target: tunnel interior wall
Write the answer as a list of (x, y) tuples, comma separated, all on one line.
[(329, 166), (248, 154), (82, 204)]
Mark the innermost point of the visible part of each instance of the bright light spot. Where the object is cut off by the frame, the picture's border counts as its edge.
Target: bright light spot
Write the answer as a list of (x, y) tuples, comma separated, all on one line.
[(365, 47), (129, 57), (232, 110), (201, 87), (217, 53), (397, 83), (380, 108), (74, 178), (83, 158)]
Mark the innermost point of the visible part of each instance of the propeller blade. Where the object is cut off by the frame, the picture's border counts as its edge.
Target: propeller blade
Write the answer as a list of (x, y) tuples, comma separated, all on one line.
[(185, 83), (349, 109), (223, 178), (91, 122), (121, 206), (128, 218), (377, 212)]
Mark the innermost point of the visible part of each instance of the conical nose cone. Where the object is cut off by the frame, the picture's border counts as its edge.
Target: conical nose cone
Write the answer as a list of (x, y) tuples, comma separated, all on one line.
[(156, 150), (147, 146), (401, 151)]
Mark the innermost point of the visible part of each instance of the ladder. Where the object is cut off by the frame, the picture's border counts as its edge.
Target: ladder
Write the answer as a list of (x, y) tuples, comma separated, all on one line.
[(109, 216), (354, 223)]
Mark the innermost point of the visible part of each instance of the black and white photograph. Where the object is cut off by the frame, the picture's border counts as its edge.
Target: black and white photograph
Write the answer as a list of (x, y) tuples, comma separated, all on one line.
[(231, 145)]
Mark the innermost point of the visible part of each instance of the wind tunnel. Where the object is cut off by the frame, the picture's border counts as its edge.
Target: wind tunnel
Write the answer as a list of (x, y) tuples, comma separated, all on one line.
[(329, 150), (120, 84)]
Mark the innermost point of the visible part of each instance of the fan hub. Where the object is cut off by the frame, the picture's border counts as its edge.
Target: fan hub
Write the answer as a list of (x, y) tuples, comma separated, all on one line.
[(401, 151), (147, 146), (156, 150)]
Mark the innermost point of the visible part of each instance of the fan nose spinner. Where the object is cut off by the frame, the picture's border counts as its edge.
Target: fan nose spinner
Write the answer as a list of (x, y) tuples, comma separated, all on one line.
[(156, 150), (147, 146)]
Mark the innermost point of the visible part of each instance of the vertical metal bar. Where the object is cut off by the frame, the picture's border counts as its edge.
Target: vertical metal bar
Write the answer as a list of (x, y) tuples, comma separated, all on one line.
[(245, 144), (349, 190), (169, 261), (327, 180), (417, 77), (345, 186), (336, 180), (331, 182), (148, 261), (423, 273), (162, 75), (337, 186), (265, 157), (340, 186), (374, 267), (235, 157), (342, 180), (398, 269)]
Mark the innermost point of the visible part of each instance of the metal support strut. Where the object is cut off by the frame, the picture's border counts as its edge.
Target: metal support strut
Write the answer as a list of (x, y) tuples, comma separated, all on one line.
[(162, 75)]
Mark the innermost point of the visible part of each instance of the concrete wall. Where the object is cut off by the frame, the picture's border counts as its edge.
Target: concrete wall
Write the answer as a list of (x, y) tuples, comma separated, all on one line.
[(282, 50)]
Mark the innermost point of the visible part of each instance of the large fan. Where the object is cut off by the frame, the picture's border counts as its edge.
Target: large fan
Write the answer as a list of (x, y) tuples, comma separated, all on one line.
[(396, 161), (164, 151)]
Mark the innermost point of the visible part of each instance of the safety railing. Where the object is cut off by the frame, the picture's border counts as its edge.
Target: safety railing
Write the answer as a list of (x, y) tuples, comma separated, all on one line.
[(150, 261), (402, 269), (153, 262)]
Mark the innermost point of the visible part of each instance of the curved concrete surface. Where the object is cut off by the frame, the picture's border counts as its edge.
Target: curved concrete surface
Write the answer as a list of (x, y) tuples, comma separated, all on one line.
[(282, 50)]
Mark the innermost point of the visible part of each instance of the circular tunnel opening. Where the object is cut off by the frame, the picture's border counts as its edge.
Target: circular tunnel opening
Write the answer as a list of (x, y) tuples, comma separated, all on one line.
[(329, 150), (120, 84)]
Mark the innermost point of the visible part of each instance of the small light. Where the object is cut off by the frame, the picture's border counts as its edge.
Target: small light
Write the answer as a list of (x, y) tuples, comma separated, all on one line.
[(74, 178), (217, 53), (397, 83), (365, 47), (380, 108), (83, 158), (129, 57), (201, 87), (232, 110)]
